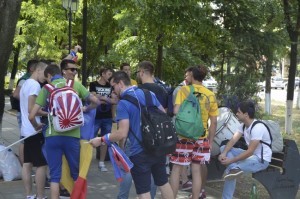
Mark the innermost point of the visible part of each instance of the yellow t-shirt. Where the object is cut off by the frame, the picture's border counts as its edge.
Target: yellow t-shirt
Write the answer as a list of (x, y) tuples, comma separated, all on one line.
[(133, 82), (208, 102)]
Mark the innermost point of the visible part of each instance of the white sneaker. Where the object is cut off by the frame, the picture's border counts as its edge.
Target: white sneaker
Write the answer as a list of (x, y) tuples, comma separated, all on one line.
[(103, 169), (31, 197)]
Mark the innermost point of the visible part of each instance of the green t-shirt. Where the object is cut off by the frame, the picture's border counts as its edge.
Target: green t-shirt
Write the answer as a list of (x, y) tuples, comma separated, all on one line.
[(42, 100)]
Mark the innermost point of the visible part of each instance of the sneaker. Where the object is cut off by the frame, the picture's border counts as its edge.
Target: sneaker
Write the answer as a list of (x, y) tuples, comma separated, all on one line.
[(103, 168), (31, 197), (202, 195), (233, 173), (64, 194), (186, 186)]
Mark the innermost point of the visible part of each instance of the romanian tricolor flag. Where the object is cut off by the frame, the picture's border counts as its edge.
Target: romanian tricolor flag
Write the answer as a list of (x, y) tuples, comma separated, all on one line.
[(78, 189)]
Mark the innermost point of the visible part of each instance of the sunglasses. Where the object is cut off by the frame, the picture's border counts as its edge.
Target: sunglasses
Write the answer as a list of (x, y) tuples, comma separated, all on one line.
[(72, 69)]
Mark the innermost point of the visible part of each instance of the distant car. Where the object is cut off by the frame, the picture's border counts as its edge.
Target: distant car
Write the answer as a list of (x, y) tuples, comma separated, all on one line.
[(277, 82), (210, 83)]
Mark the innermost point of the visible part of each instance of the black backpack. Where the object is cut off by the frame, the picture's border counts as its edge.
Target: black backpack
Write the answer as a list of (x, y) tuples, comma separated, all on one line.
[(158, 132)]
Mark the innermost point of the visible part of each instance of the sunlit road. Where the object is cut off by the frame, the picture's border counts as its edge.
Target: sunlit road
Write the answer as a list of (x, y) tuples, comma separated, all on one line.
[(279, 95)]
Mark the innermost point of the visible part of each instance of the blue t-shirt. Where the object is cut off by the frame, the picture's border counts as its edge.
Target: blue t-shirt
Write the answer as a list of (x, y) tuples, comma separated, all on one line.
[(127, 110)]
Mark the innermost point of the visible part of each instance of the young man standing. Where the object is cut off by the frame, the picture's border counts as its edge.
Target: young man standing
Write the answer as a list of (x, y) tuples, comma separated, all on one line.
[(256, 158), (127, 69), (33, 156), (103, 120), (59, 144), (196, 153), (129, 119)]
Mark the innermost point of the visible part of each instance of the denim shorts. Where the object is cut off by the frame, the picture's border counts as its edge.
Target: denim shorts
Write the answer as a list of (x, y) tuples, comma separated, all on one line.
[(144, 166), (104, 125)]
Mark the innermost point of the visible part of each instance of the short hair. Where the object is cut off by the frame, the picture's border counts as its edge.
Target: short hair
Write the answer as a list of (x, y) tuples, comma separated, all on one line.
[(64, 63), (247, 107), (52, 69), (198, 72), (104, 70), (121, 75), (147, 66), (39, 64), (31, 63), (124, 64)]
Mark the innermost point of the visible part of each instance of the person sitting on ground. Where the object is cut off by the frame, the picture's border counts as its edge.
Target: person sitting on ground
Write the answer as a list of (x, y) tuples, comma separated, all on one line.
[(254, 159)]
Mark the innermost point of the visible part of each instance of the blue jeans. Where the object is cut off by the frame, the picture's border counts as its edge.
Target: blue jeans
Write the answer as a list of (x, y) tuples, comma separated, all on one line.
[(104, 124), (251, 164)]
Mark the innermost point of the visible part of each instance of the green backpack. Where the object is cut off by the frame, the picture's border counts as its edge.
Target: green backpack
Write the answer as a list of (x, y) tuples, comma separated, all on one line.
[(188, 121)]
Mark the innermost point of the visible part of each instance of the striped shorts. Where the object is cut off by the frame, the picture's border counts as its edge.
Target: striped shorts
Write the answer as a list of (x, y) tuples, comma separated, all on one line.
[(188, 151)]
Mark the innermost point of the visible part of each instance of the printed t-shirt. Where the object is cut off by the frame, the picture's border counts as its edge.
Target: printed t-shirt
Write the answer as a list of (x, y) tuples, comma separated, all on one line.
[(104, 110), (42, 100)]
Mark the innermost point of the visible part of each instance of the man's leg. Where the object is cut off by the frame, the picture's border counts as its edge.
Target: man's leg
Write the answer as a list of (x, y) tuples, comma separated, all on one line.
[(106, 125), (175, 177), (196, 173), (204, 177), (54, 188), (144, 196), (228, 189), (26, 177), (21, 153), (166, 191), (40, 178), (125, 186)]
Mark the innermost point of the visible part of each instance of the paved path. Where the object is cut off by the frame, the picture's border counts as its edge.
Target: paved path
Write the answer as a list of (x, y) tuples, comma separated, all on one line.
[(101, 185)]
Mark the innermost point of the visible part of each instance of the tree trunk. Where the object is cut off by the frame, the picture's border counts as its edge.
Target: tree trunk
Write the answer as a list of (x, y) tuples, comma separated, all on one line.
[(84, 42), (268, 73), (9, 14), (15, 67), (159, 59)]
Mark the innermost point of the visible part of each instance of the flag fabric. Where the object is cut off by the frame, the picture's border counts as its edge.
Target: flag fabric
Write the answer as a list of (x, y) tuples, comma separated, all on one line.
[(118, 158), (78, 189)]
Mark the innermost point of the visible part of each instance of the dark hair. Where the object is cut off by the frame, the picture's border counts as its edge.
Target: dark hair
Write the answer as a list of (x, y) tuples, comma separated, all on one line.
[(124, 64), (105, 69), (247, 107), (121, 75), (31, 63), (52, 69), (147, 66), (64, 63), (198, 72)]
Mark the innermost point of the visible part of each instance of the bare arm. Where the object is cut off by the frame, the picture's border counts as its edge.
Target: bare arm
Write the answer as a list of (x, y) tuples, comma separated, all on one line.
[(212, 129), (16, 93), (116, 136), (32, 115)]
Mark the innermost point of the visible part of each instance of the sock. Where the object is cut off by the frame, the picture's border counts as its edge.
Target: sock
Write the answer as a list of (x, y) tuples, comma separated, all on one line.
[(101, 164)]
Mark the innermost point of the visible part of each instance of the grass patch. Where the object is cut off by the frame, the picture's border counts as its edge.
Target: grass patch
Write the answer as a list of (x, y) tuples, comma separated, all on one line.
[(278, 114)]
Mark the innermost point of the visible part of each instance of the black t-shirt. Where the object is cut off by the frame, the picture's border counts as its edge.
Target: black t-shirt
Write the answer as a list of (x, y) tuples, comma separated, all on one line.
[(160, 93), (104, 110)]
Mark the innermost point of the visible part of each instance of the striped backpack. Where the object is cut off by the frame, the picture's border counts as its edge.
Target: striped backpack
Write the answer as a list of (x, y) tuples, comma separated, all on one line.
[(65, 107)]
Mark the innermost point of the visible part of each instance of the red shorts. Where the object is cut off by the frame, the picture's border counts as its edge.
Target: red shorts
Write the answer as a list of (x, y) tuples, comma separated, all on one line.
[(188, 151)]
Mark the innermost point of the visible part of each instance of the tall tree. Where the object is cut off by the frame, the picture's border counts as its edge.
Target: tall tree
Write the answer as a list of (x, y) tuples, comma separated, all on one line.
[(9, 13), (292, 22)]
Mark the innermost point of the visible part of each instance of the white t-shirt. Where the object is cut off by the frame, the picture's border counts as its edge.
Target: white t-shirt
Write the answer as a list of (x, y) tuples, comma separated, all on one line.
[(29, 88), (259, 132)]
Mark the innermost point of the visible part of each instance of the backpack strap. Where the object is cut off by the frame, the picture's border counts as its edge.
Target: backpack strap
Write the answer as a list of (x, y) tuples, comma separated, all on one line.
[(49, 87), (262, 142), (148, 98), (134, 101), (70, 83)]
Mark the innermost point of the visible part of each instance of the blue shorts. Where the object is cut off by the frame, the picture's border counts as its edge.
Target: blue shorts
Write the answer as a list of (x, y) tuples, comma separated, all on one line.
[(104, 125), (55, 148), (144, 166)]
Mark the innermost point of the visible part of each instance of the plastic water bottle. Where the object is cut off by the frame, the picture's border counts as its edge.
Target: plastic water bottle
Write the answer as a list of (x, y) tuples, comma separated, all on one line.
[(254, 192)]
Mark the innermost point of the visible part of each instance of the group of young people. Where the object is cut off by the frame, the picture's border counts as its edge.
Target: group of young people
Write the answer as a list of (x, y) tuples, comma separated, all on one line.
[(148, 172)]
